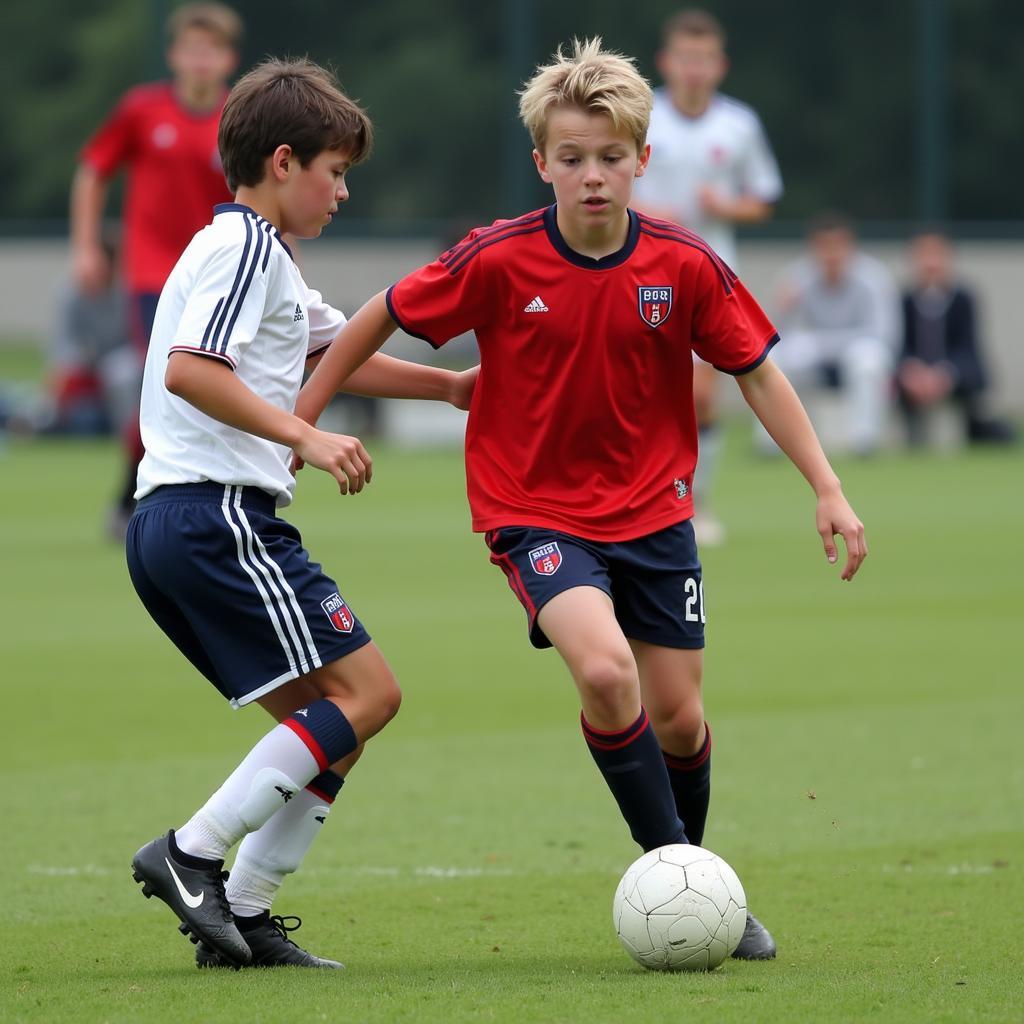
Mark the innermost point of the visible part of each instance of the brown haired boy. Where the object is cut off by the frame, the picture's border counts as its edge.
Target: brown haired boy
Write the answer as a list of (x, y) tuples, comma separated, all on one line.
[(227, 580)]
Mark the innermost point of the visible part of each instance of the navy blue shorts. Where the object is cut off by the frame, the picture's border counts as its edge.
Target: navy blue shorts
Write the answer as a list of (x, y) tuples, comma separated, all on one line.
[(234, 589), (654, 581)]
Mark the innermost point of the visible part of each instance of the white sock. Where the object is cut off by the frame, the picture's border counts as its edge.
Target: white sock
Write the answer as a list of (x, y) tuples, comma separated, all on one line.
[(273, 773), (273, 851)]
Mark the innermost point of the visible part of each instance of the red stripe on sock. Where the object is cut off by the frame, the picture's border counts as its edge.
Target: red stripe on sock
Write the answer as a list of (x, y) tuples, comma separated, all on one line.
[(689, 764), (307, 737), (320, 794), (615, 739)]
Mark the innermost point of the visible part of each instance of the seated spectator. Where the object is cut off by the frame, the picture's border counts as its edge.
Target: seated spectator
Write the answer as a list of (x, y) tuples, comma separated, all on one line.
[(941, 360), (838, 322), (94, 371)]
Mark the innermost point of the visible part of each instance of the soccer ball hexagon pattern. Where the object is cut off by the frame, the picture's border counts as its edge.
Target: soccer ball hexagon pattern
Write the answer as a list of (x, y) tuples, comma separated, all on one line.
[(679, 908)]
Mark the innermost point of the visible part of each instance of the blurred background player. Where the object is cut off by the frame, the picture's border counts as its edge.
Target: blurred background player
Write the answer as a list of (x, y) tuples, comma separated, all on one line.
[(711, 168), (838, 311), (164, 136), (941, 359), (94, 371)]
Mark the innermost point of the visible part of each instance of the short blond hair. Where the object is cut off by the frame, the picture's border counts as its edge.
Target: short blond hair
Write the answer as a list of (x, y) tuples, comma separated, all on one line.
[(591, 79)]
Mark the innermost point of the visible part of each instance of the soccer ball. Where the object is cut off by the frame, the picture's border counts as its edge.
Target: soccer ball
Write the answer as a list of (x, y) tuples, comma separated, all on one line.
[(679, 908)]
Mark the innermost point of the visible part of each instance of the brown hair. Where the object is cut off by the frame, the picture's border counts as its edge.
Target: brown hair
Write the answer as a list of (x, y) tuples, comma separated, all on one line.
[(288, 102), (692, 22), (591, 79), (217, 19)]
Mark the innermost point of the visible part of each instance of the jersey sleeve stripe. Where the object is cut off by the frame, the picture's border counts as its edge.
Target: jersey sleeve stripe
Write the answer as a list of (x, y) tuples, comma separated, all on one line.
[(209, 326), (260, 239), (457, 251), (456, 266), (398, 320), (753, 365), (214, 340), (268, 228), (689, 237), (724, 273)]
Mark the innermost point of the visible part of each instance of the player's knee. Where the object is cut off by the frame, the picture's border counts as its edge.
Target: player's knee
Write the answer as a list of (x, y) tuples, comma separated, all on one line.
[(682, 727), (389, 699), (608, 680)]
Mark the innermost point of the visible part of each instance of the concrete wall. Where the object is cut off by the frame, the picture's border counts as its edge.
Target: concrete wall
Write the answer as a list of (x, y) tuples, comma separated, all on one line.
[(31, 273)]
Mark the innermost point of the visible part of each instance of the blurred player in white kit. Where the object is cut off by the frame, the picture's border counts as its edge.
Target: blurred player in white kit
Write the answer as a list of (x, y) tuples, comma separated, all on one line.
[(711, 168)]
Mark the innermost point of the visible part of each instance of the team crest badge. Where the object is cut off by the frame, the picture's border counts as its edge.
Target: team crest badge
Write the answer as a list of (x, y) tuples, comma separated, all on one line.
[(655, 304), (338, 612), (546, 560)]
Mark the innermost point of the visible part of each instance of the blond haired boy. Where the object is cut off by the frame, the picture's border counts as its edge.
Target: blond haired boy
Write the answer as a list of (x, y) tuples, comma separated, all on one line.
[(581, 442), (226, 579)]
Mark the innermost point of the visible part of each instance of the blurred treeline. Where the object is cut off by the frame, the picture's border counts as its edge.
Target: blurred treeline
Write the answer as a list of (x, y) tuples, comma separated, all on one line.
[(838, 86)]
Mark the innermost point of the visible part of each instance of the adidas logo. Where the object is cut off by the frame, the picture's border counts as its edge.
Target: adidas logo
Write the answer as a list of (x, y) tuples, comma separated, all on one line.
[(298, 314), (536, 306)]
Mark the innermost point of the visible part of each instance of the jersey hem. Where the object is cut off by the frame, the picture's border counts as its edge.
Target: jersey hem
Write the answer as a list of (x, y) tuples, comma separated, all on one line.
[(514, 519), (393, 313), (768, 346), (195, 350)]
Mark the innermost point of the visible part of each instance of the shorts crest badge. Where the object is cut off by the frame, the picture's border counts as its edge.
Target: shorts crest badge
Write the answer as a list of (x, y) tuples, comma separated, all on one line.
[(338, 612), (655, 304), (546, 559)]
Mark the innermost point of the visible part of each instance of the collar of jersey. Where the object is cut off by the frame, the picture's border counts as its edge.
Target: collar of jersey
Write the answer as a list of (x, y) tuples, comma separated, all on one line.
[(242, 208), (577, 259)]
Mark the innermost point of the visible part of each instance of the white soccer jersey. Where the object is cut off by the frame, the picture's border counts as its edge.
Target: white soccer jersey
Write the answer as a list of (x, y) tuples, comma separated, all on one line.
[(725, 147), (237, 296)]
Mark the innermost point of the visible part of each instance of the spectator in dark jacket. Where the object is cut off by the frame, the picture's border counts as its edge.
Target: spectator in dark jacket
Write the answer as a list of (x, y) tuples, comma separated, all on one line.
[(941, 359)]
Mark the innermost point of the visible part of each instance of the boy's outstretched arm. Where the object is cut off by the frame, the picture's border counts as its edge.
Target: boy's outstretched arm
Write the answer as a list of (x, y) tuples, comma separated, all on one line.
[(359, 339), (213, 388), (384, 376), (775, 403)]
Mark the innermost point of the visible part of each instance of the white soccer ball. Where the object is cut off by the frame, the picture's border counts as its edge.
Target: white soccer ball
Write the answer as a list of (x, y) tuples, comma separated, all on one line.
[(679, 908)]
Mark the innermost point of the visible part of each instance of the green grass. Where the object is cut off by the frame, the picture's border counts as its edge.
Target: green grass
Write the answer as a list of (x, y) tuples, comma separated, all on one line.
[(869, 775)]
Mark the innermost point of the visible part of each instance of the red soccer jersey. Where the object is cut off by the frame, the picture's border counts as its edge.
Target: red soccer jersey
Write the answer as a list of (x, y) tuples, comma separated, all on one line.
[(174, 177), (582, 419)]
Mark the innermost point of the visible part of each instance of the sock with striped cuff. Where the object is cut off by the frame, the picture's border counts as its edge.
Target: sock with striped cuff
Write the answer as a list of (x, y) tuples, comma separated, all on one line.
[(279, 847), (286, 760), (691, 786), (633, 767)]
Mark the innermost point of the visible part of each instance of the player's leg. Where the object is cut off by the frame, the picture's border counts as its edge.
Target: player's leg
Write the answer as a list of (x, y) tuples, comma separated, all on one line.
[(659, 592), (670, 681), (213, 548), (581, 625), (706, 382), (563, 585)]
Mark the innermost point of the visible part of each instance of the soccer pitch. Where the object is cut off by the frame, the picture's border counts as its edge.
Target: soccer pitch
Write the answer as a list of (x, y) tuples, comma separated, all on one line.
[(868, 785)]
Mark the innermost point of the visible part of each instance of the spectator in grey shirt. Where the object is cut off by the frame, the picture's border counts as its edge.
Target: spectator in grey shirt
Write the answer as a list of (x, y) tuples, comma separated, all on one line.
[(838, 320)]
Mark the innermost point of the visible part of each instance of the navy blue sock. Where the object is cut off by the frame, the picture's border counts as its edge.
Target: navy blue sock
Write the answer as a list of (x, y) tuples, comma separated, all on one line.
[(634, 769), (326, 785), (325, 730), (691, 787)]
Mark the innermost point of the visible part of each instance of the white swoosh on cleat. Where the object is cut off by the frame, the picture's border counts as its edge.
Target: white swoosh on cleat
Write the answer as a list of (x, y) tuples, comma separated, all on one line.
[(187, 898)]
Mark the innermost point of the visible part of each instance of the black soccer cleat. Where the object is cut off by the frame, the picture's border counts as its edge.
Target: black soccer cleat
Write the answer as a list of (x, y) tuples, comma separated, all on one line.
[(757, 942), (268, 939), (194, 889)]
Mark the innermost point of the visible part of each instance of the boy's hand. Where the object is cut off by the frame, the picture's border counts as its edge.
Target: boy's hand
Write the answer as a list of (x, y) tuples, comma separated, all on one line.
[(343, 457), (462, 388), (834, 515)]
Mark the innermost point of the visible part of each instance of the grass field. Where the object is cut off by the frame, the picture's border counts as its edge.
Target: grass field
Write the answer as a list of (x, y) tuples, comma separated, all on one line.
[(869, 774)]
